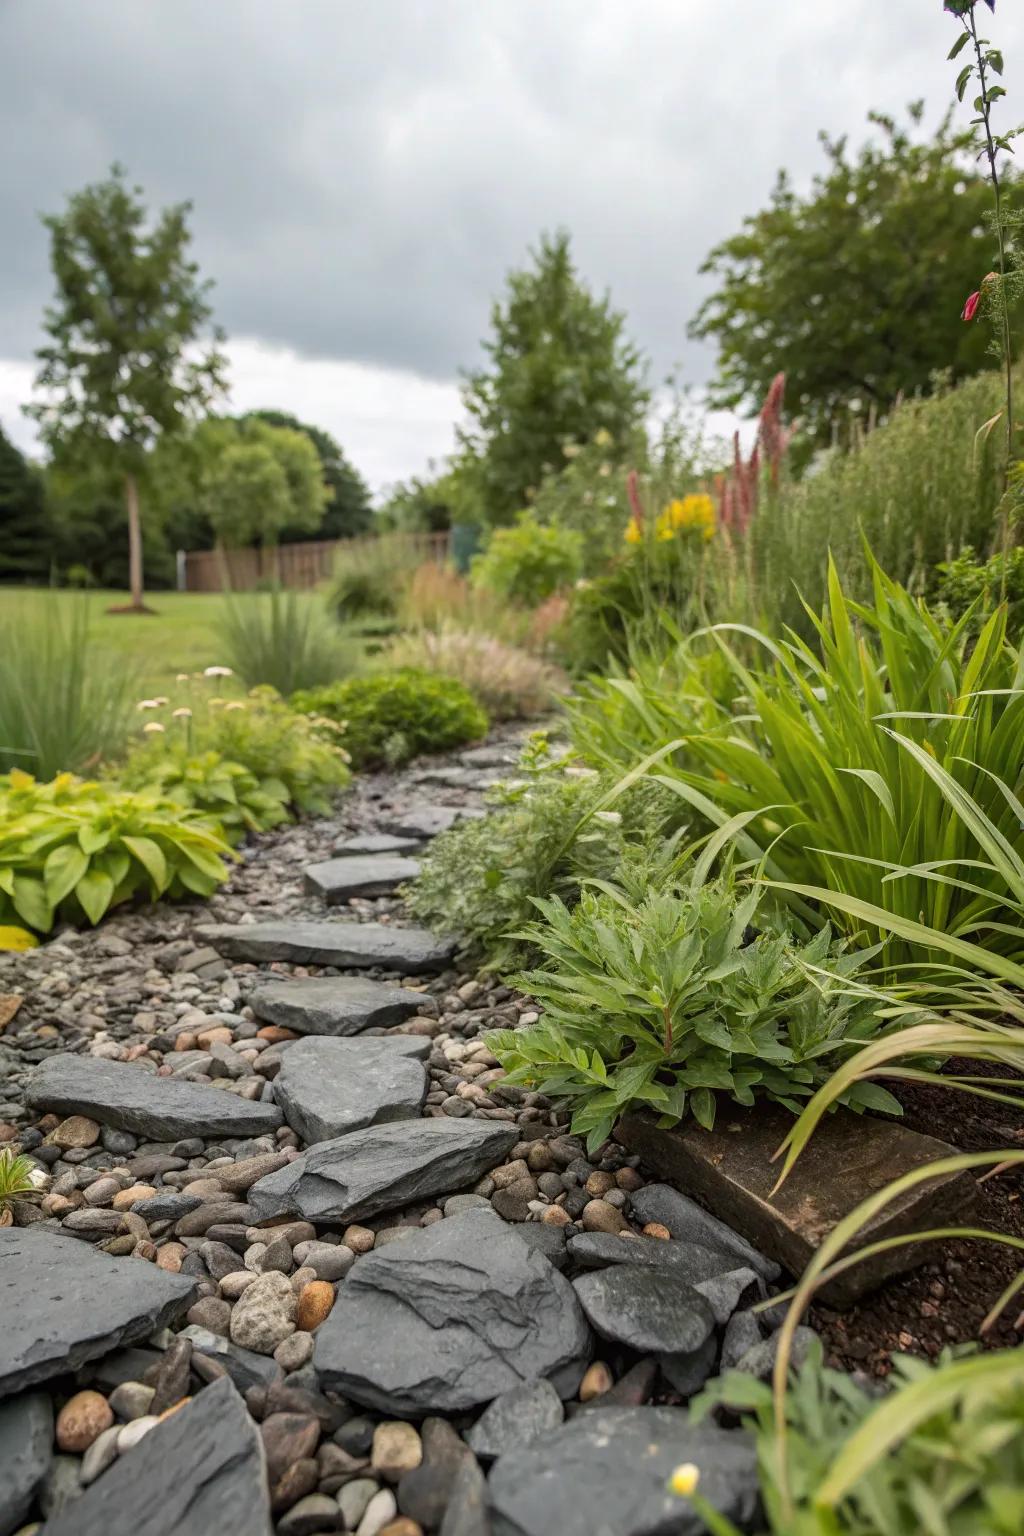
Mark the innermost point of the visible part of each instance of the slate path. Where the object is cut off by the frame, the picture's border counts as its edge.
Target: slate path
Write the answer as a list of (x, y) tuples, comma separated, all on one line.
[(303, 1262)]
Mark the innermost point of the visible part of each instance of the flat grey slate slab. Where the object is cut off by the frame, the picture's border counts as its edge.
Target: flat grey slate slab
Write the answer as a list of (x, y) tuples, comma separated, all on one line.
[(378, 874), (407, 950), (608, 1469), (329, 1088), (450, 1318), (26, 1451), (333, 1005), (426, 820), (652, 1311), (382, 1168), (66, 1302), (199, 1473), (376, 842), (132, 1099), (691, 1261)]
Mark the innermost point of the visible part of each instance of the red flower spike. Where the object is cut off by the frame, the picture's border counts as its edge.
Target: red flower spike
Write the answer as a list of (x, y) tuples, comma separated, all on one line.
[(970, 309)]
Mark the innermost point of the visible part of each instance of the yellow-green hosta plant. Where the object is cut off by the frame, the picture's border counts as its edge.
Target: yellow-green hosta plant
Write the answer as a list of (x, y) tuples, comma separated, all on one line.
[(211, 783), (72, 848)]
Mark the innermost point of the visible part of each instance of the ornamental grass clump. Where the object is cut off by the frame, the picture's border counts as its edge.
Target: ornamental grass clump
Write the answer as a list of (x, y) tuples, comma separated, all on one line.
[(510, 683)]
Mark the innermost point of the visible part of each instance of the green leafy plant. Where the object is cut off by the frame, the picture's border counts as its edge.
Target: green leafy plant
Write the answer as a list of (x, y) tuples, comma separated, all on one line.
[(371, 577), (20, 1179), (390, 717), (509, 682), (284, 640), (529, 561), (656, 996), (72, 849), (969, 584), (210, 783), (62, 708)]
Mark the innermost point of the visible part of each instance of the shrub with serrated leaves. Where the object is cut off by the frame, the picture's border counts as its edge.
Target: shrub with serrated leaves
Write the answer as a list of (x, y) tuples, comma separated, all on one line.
[(72, 849), (211, 783), (656, 997), (390, 717)]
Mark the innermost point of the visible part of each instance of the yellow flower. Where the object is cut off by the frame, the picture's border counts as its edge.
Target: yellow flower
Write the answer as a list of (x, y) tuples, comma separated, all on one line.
[(694, 513), (684, 1479), (602, 437), (181, 714), (634, 533)]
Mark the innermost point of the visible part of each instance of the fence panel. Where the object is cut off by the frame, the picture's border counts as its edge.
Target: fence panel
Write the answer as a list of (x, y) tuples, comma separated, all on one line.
[(296, 565)]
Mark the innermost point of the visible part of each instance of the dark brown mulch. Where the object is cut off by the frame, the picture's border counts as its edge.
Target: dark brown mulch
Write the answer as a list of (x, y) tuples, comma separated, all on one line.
[(944, 1302)]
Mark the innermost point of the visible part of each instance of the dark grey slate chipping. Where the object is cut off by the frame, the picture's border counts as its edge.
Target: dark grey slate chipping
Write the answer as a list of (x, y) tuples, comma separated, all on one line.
[(607, 1471), (550, 1241), (382, 1168), (690, 1261), (689, 1222), (338, 880), (687, 1373), (452, 1317), (650, 1310), (333, 1005), (329, 1088), (26, 1451), (516, 1418), (376, 842), (200, 1472), (117, 1093), (245, 1367), (406, 950), (737, 1288), (73, 1303)]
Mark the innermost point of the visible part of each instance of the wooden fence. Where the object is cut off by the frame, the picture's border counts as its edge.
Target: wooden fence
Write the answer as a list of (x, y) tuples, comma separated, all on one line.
[(299, 565)]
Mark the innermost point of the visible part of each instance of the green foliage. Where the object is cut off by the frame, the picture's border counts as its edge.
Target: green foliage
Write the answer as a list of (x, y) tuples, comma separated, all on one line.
[(348, 511), (371, 578), (958, 1472), (655, 997), (651, 589), (18, 1177), (550, 831), (390, 717), (835, 757), (72, 849), (559, 369), (283, 641), (893, 322), (968, 582), (26, 539), (61, 707), (529, 561), (125, 364), (208, 782)]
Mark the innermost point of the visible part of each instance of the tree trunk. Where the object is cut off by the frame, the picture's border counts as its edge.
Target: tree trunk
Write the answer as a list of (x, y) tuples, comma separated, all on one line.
[(131, 496)]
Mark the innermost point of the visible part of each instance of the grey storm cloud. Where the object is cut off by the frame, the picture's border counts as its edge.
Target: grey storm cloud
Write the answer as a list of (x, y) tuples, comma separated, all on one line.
[(364, 172)]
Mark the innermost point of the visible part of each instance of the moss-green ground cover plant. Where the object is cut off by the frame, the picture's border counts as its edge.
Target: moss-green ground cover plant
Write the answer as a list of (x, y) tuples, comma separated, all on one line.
[(72, 849), (390, 717), (659, 994)]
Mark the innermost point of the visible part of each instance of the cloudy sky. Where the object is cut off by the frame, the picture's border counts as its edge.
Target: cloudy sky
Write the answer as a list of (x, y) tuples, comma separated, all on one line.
[(364, 172)]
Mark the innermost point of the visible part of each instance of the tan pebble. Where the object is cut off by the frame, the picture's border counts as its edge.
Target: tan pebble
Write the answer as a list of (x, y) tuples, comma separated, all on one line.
[(656, 1229), (359, 1239), (56, 1205), (145, 1249), (314, 1304), (540, 1158), (302, 1277), (136, 1430), (136, 1052), (629, 1179), (510, 1173), (219, 1035), (403, 1526), (596, 1381), (274, 1033), (397, 1449), (171, 1256), (174, 1408), (555, 1216), (203, 1187), (599, 1216), (76, 1131), (599, 1184), (186, 1041), (82, 1419), (127, 1197)]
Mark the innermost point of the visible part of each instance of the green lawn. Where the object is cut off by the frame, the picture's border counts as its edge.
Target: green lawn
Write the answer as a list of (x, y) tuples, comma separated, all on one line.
[(180, 636)]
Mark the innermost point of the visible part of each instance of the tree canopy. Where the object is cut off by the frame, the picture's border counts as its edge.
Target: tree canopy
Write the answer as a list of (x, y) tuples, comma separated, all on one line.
[(349, 510), (132, 357), (854, 290), (25, 544), (560, 368)]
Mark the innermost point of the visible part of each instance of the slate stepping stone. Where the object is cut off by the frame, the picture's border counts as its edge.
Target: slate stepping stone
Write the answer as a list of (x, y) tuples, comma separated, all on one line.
[(449, 1318), (650, 1310), (407, 950), (333, 1005), (382, 1168), (459, 778), (338, 880), (132, 1099), (490, 757), (377, 842), (427, 820), (26, 1452), (201, 1471), (328, 1088), (608, 1470), (73, 1303)]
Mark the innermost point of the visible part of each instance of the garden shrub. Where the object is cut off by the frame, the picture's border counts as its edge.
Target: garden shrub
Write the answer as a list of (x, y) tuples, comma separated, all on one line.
[(547, 833), (208, 782), (284, 640), (371, 576), (655, 996), (72, 849), (390, 717), (968, 582), (529, 561), (509, 682)]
